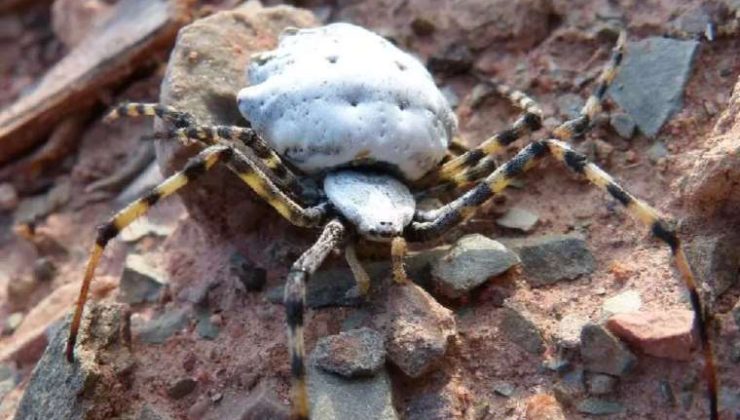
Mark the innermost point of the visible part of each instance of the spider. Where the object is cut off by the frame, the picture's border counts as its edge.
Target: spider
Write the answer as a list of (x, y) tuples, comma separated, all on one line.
[(344, 108)]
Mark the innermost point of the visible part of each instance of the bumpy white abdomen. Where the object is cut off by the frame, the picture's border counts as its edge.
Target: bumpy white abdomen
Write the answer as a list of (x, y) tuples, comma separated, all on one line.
[(340, 95)]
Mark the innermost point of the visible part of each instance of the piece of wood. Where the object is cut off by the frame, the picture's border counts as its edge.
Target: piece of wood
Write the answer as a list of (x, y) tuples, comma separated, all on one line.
[(136, 30)]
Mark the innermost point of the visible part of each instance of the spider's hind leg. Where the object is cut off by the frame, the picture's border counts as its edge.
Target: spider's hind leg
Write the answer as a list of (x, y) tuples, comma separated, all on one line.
[(179, 119)]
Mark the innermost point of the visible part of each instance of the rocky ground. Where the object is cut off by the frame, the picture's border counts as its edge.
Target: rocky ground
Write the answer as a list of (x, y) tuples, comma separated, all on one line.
[(551, 303)]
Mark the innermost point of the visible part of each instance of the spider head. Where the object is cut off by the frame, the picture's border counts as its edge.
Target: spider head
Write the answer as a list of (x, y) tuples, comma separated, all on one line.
[(378, 205)]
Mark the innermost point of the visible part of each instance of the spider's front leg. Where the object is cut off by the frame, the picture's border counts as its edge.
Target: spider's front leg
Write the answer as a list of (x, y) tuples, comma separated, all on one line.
[(457, 211), (294, 300)]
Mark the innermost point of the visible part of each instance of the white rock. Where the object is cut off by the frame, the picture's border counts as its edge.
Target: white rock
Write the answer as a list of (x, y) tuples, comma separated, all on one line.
[(628, 301), (341, 95)]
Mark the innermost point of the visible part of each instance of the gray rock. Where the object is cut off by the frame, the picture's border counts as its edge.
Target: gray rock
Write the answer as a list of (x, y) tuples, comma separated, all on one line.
[(651, 81), (656, 152), (252, 277), (205, 327), (359, 352), (181, 388), (716, 260), (623, 124), (570, 388), (518, 326), (570, 105), (61, 390), (568, 333), (140, 282), (455, 59), (471, 262), (518, 218), (419, 329), (602, 352), (355, 319), (598, 407), (693, 21), (434, 405), (334, 397), (600, 384), (505, 389), (551, 258), (161, 328), (263, 403)]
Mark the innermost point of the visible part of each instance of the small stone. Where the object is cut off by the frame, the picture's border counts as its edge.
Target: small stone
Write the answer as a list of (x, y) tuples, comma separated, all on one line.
[(569, 105), (518, 218), (471, 262), (693, 21), (666, 392), (334, 397), (627, 301), (664, 334), (603, 352), (252, 277), (263, 403), (656, 152), (181, 388), (544, 407), (419, 330), (355, 319), (455, 59), (12, 322), (505, 389), (570, 388), (600, 384), (44, 270), (599, 407), (205, 327), (551, 258), (161, 328), (140, 282), (568, 333), (422, 26), (8, 197), (352, 353), (651, 80), (518, 326), (623, 124), (716, 259), (445, 402)]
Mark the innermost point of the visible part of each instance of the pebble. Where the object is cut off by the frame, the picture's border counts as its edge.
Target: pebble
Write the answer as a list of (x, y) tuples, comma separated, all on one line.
[(351, 353), (664, 334), (623, 124), (552, 258), (656, 152), (651, 80), (335, 397), (12, 322), (518, 218), (519, 327), (252, 277), (599, 407), (455, 59), (442, 403), (206, 328), (44, 270), (505, 389), (568, 333), (602, 352), (570, 388), (159, 329), (8, 197), (693, 21), (422, 26), (570, 105), (181, 388), (471, 262), (627, 301), (601, 384), (140, 282), (716, 259), (419, 330)]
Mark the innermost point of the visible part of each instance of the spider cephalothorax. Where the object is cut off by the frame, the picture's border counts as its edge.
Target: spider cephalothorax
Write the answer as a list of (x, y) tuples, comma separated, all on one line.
[(366, 123)]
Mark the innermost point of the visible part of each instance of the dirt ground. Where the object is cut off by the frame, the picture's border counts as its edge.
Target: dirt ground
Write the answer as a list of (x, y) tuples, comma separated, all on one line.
[(250, 349)]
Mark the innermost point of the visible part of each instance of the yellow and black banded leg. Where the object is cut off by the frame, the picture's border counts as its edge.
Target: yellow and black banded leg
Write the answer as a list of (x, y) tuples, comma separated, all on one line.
[(579, 125), (137, 109), (196, 167), (460, 209), (294, 300), (398, 259), (222, 134)]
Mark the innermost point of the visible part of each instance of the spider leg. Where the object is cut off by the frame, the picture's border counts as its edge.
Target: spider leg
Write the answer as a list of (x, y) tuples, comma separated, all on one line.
[(358, 271), (196, 167), (463, 207), (482, 158), (398, 255), (294, 300), (187, 130)]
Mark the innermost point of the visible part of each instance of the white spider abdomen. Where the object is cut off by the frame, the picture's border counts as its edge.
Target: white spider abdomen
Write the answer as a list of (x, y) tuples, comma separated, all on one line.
[(340, 95)]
